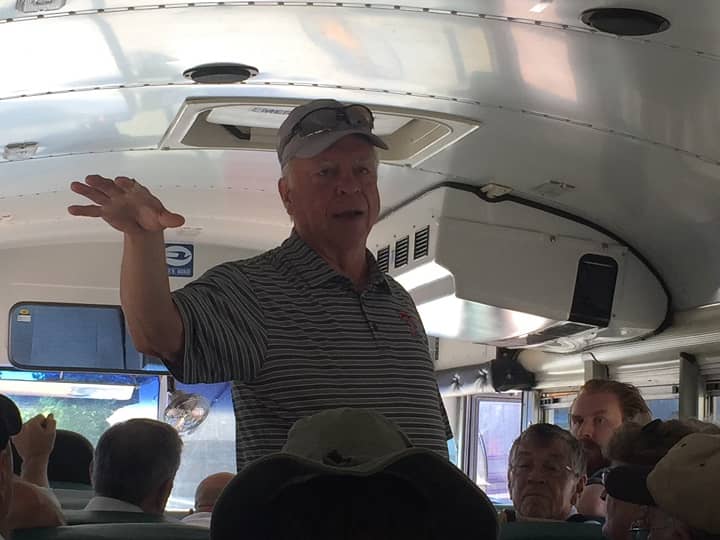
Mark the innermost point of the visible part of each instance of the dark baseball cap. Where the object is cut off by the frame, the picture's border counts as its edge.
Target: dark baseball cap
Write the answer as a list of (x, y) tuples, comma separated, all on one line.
[(629, 483), (315, 126), (10, 420)]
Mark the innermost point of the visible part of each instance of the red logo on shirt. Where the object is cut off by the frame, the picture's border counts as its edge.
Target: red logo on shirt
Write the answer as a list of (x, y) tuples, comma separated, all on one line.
[(410, 321)]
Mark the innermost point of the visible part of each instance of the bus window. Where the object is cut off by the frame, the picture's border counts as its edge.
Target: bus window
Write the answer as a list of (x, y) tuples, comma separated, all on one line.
[(495, 425), (664, 409), (453, 451), (208, 449), (560, 417), (87, 403)]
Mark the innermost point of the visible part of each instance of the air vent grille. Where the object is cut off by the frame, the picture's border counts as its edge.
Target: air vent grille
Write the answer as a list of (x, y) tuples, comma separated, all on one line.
[(422, 243), (383, 259), (402, 252)]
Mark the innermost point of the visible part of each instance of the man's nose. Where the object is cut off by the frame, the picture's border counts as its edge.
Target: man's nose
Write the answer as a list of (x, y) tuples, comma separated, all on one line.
[(536, 475), (586, 431), (347, 182)]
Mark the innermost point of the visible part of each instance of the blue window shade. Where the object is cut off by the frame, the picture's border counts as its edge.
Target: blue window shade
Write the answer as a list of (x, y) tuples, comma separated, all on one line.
[(56, 335), (75, 337)]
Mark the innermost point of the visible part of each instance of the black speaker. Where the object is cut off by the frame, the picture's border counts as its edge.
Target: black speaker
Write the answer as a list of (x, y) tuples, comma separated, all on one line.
[(509, 374), (594, 290)]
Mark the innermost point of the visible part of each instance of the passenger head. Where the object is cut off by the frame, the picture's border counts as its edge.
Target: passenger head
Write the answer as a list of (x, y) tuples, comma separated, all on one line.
[(599, 409), (329, 173), (208, 491), (136, 461), (546, 472), (71, 458), (678, 495), (10, 424), (638, 449), (350, 474)]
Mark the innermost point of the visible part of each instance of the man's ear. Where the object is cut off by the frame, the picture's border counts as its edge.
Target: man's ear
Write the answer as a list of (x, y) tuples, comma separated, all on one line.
[(284, 190), (579, 488), (165, 491), (155, 501)]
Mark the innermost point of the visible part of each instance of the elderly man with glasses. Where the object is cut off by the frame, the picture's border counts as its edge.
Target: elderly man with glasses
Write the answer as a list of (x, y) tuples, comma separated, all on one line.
[(546, 475), (310, 325)]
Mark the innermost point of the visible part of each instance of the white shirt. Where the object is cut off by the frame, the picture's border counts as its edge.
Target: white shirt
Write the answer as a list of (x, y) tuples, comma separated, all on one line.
[(108, 504), (198, 519)]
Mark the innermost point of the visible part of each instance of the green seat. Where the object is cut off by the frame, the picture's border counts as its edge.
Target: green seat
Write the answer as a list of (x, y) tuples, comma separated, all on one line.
[(73, 499), (71, 485), (116, 531), (537, 530), (86, 517)]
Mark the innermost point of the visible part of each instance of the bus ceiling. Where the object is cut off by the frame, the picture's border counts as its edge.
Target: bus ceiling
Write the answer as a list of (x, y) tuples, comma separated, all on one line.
[(590, 133)]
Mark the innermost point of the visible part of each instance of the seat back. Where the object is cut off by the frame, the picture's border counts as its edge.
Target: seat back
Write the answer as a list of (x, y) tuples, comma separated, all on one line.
[(70, 485), (86, 517), (116, 531), (540, 530), (73, 499)]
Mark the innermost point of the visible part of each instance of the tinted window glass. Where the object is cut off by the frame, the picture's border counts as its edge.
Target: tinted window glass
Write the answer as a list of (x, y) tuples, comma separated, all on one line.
[(87, 403), (74, 337), (208, 449), (498, 425)]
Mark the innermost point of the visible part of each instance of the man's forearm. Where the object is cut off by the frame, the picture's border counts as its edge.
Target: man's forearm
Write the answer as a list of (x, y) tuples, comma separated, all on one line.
[(153, 319)]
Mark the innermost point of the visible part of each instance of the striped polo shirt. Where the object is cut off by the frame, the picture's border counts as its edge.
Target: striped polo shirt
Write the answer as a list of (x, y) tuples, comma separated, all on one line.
[(296, 338)]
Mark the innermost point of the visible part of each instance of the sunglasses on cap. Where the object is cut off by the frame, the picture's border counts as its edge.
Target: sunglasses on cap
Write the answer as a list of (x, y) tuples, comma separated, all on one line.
[(331, 119)]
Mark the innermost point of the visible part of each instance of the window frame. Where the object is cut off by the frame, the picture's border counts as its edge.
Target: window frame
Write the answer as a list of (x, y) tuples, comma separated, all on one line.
[(471, 435)]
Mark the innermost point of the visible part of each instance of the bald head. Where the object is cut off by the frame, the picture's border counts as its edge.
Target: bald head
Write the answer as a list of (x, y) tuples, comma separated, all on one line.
[(208, 491)]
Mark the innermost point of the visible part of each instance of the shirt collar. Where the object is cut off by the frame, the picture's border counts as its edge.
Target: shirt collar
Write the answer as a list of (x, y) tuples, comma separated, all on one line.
[(316, 271)]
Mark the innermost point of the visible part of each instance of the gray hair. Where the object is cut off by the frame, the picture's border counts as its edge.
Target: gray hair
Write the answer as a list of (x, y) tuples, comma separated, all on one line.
[(545, 435), (134, 458)]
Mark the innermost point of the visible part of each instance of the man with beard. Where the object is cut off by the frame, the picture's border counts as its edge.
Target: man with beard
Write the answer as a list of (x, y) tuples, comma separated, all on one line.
[(546, 475), (600, 408)]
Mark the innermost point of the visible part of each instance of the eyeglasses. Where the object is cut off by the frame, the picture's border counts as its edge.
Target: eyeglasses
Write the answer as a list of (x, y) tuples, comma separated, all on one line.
[(549, 468), (330, 118)]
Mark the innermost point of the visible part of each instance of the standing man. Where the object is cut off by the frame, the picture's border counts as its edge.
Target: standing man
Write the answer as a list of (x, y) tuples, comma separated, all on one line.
[(308, 326), (600, 408)]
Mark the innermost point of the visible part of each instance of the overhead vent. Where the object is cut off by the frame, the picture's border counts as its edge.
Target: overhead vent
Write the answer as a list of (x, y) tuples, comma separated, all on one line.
[(422, 243), (516, 276), (402, 252), (383, 259), (252, 124), (624, 21)]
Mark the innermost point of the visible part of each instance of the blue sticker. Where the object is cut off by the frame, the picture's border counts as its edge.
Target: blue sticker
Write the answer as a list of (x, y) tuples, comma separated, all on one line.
[(179, 259)]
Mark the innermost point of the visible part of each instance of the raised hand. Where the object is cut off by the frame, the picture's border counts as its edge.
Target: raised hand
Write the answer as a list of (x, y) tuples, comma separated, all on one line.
[(36, 438), (124, 204)]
